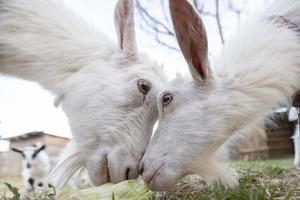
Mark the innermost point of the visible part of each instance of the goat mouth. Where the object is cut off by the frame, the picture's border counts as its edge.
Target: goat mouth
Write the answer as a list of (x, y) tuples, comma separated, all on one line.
[(107, 168), (104, 175), (150, 178)]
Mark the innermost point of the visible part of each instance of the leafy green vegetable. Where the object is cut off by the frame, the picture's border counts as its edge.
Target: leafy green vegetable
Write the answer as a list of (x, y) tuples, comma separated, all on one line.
[(126, 190)]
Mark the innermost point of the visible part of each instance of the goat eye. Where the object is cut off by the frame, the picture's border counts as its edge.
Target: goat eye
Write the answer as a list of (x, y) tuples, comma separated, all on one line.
[(144, 86), (167, 98)]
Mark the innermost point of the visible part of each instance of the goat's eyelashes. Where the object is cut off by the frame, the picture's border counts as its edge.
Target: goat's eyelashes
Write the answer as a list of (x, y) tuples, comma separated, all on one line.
[(166, 99), (144, 86)]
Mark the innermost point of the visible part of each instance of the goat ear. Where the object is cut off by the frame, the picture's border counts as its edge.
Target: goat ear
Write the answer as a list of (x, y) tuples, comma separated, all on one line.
[(124, 22), (43, 147), (18, 151), (192, 39)]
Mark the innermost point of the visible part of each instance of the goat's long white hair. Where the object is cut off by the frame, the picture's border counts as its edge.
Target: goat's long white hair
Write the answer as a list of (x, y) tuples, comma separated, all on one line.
[(58, 36), (258, 70), (43, 41), (70, 163)]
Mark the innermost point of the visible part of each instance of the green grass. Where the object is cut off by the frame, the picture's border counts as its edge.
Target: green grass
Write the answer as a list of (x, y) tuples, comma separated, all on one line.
[(17, 182), (259, 180), (263, 164), (11, 189)]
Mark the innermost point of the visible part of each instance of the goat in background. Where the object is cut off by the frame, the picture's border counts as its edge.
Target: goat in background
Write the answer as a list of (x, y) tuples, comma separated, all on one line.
[(35, 166)]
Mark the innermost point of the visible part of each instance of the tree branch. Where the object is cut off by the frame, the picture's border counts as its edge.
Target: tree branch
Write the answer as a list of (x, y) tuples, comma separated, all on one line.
[(219, 22), (163, 5), (156, 27), (160, 27), (147, 17)]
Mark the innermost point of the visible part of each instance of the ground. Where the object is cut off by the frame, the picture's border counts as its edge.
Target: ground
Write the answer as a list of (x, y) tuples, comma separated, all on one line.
[(259, 180)]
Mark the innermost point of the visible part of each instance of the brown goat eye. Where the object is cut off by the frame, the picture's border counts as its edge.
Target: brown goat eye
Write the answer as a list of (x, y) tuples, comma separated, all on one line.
[(144, 86), (167, 98)]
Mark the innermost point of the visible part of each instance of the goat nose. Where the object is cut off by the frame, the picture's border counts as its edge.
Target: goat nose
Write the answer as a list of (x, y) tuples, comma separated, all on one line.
[(31, 181), (28, 165), (144, 85), (141, 169)]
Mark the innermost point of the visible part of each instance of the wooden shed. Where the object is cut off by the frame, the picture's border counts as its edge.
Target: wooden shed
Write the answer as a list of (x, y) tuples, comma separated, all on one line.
[(268, 141), (253, 146), (279, 136)]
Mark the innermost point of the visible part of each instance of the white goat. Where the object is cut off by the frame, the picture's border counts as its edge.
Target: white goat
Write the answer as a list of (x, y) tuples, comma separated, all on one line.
[(107, 92), (35, 166), (258, 69), (293, 116), (296, 138)]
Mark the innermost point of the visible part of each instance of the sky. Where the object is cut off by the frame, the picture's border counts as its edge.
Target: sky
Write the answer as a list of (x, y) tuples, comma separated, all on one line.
[(26, 107)]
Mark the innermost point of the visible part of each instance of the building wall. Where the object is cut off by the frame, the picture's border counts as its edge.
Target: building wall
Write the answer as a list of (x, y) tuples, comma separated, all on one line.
[(268, 141), (253, 146)]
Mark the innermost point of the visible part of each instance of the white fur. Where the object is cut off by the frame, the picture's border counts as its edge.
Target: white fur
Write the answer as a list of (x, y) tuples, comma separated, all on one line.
[(296, 138), (258, 69), (293, 114), (94, 80)]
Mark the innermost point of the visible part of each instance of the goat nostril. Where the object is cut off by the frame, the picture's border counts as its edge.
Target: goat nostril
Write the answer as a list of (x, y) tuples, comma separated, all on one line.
[(106, 166), (41, 184), (127, 173), (31, 181)]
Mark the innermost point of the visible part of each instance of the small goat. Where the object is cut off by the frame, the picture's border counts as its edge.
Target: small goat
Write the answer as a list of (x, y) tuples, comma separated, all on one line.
[(296, 138), (259, 68), (293, 117), (35, 166), (107, 91)]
